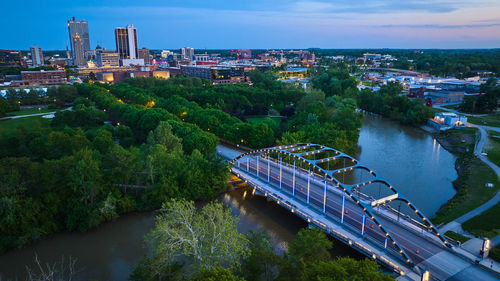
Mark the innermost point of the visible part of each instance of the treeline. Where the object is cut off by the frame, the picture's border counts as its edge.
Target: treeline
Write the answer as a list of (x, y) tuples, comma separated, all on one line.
[(485, 103), (190, 243), (458, 63), (54, 98), (389, 102), (78, 172), (309, 117)]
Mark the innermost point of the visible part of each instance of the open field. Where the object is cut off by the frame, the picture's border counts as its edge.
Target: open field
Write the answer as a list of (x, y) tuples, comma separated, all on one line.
[(492, 120), (30, 111), (473, 175), (457, 236), (7, 126), (486, 224), (493, 147)]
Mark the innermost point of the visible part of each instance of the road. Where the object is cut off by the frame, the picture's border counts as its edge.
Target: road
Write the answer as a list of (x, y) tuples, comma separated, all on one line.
[(444, 264)]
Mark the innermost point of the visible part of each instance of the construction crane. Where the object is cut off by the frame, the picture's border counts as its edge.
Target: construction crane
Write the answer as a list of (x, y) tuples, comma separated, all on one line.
[(237, 53)]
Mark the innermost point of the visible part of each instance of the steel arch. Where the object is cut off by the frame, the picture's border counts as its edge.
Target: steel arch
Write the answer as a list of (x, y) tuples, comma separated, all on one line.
[(291, 150)]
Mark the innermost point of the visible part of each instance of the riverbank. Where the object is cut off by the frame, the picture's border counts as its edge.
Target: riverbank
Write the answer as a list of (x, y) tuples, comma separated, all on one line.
[(473, 175)]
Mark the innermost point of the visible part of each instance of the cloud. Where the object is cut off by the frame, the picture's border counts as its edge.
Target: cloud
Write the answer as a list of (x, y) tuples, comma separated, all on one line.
[(438, 26)]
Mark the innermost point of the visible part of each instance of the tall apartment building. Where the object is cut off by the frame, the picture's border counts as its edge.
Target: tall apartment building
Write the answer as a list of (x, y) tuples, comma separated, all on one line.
[(187, 53), (36, 56), (78, 53), (80, 28), (126, 42)]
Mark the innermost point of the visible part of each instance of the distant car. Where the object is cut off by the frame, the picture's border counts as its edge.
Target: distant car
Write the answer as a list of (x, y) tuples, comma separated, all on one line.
[(484, 153)]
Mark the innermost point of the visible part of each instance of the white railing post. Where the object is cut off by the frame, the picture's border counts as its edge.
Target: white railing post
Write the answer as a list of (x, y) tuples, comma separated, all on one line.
[(343, 203), (308, 183), (281, 169), (324, 198)]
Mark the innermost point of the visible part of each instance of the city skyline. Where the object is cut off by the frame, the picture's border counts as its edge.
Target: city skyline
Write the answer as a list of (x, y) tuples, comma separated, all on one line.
[(260, 24)]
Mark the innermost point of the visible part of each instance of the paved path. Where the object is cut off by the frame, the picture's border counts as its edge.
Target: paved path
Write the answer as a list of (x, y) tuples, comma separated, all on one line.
[(30, 115), (478, 150), (423, 250)]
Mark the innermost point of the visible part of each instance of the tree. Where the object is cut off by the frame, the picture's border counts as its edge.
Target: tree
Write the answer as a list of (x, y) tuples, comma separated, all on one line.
[(259, 264), (85, 175), (163, 135), (310, 246), (206, 237), (215, 274)]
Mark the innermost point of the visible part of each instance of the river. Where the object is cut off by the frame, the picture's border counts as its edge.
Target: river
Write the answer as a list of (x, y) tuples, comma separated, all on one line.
[(407, 157)]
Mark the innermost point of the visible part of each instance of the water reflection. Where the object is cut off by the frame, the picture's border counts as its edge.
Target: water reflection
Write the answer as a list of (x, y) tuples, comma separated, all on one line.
[(411, 160), (408, 158)]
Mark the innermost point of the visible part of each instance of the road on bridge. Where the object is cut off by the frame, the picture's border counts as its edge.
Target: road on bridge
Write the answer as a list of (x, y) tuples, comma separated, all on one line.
[(422, 249)]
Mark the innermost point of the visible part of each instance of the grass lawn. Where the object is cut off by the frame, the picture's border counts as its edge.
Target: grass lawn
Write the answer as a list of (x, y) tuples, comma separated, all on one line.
[(8, 126), (456, 236), (258, 120), (492, 120), (493, 148), (471, 192), (495, 253), (451, 106), (30, 111), (486, 224)]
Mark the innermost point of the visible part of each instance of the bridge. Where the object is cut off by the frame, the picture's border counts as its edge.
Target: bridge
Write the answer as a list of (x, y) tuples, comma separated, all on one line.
[(335, 192)]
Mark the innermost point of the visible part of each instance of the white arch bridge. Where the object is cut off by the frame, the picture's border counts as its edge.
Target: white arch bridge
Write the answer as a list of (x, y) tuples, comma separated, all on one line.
[(335, 192)]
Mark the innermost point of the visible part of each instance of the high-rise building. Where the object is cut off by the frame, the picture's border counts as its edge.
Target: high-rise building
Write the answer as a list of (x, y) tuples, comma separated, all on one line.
[(80, 27), (144, 54), (78, 53), (126, 42), (187, 53), (36, 56)]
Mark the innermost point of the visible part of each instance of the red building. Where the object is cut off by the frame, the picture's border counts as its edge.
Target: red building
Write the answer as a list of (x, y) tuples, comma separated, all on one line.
[(43, 77)]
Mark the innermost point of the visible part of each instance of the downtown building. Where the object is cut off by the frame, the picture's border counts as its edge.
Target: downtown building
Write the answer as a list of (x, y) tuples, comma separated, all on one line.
[(187, 53), (36, 56), (79, 39), (126, 45), (10, 58)]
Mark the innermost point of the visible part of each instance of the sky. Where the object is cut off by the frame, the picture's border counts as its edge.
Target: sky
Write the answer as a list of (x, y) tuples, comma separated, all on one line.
[(258, 24)]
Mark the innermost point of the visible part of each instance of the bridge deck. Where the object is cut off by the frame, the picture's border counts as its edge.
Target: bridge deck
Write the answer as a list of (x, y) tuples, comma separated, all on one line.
[(443, 263)]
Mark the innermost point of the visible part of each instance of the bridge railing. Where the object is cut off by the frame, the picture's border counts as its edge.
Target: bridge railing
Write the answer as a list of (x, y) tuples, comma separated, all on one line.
[(336, 234)]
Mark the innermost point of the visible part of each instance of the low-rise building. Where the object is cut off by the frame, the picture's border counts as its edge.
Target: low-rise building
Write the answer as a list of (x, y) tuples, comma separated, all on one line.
[(106, 58), (10, 58), (43, 77), (447, 120), (439, 96)]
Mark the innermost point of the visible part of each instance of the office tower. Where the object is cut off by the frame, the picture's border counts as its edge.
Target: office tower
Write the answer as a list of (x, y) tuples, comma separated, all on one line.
[(126, 42), (78, 53), (36, 56), (144, 54), (187, 53), (80, 27)]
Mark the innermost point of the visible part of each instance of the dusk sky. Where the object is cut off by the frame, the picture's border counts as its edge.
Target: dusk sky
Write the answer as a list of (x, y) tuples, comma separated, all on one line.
[(170, 24)]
